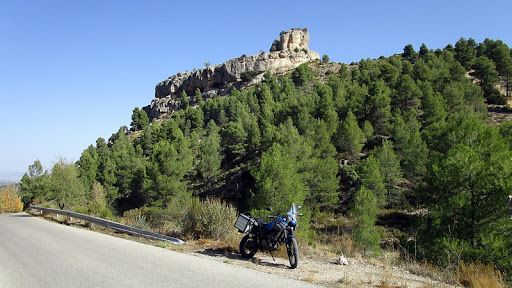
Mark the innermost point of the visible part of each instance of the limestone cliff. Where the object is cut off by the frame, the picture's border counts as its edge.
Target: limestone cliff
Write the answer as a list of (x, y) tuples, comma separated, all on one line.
[(287, 52)]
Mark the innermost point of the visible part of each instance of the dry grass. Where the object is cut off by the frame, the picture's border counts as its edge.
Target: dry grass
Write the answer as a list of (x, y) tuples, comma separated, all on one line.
[(385, 284), (426, 270), (281, 252), (344, 245), (478, 275)]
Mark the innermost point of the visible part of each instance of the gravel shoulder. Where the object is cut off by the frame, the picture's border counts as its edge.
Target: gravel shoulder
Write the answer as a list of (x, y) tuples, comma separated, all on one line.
[(318, 269)]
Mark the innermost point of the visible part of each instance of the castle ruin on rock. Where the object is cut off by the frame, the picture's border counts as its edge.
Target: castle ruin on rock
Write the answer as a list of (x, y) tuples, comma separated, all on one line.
[(286, 53)]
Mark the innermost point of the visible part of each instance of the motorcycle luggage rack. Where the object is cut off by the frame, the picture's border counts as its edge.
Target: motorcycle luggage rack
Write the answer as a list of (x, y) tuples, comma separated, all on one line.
[(244, 223)]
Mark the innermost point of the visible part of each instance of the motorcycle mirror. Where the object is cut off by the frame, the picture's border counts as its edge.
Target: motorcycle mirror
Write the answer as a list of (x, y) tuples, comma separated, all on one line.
[(269, 209), (300, 214), (300, 207)]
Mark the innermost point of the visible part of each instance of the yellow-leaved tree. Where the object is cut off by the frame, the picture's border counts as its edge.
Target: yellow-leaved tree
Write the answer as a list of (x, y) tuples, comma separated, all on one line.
[(10, 202)]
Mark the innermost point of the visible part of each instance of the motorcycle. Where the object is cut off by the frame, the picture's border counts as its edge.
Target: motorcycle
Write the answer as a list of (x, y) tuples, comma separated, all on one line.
[(268, 236)]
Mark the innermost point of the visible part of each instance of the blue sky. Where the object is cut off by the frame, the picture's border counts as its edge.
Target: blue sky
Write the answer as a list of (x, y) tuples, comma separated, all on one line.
[(72, 71)]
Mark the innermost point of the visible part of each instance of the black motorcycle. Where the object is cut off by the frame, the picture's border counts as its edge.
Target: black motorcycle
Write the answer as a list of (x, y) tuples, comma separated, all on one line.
[(268, 236)]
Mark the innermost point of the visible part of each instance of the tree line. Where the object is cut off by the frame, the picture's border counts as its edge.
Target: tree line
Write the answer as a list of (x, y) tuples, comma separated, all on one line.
[(405, 132)]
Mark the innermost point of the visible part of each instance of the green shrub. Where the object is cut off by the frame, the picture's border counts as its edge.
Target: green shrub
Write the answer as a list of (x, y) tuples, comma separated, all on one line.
[(494, 97), (81, 210), (99, 209), (325, 59), (136, 218), (210, 218), (247, 76)]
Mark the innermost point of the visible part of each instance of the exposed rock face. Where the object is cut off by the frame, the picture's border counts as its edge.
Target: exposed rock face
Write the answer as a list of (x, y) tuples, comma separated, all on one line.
[(291, 40), (286, 53)]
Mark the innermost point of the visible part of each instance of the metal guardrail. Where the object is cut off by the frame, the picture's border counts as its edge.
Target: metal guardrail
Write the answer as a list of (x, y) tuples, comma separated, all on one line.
[(111, 224)]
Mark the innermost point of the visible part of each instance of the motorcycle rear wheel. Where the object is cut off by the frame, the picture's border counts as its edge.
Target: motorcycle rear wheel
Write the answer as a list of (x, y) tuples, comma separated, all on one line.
[(293, 253), (245, 251)]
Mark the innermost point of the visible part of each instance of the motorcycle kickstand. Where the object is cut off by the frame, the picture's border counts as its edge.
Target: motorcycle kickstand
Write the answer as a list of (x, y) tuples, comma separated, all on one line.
[(272, 253)]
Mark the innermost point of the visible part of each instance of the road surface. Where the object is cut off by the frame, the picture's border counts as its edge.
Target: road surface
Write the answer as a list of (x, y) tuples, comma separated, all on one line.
[(39, 253)]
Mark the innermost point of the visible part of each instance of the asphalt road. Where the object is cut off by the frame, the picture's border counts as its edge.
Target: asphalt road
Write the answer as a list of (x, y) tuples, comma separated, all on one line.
[(39, 253)]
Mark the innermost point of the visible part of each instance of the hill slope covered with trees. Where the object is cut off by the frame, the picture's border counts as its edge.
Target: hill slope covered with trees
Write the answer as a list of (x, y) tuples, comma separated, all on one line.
[(360, 142)]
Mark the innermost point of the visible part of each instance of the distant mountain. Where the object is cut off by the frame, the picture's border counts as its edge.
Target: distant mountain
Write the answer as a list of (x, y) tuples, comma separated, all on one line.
[(10, 178)]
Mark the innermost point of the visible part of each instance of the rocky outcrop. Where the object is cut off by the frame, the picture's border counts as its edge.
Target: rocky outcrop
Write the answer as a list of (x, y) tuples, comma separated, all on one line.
[(291, 40), (287, 52)]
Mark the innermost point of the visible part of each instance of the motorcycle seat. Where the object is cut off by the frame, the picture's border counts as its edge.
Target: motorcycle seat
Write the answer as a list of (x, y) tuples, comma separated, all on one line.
[(260, 222)]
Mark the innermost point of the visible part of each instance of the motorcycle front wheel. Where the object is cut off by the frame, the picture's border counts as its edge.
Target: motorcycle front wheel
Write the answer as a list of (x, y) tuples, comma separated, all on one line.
[(248, 246), (293, 252)]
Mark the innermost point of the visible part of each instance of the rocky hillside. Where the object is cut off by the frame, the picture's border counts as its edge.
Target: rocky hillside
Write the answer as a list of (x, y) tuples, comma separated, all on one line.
[(286, 53)]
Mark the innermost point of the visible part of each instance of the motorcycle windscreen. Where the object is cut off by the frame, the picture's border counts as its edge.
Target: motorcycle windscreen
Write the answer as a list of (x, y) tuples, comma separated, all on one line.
[(293, 212)]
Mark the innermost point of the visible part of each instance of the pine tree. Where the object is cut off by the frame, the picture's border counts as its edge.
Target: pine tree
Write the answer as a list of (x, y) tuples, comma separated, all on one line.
[(199, 97), (432, 107), (409, 53), (325, 107), (365, 214), (233, 140), (467, 192), (350, 138), (325, 59), (106, 169), (465, 52), (34, 184), (410, 147), (378, 109), (123, 156), (302, 75), (251, 127), (338, 91), (140, 119), (88, 165), (184, 101), (322, 170), (372, 179), (344, 73), (390, 169), (357, 95), (421, 71), (278, 182), (166, 173), (390, 73), (209, 154), (423, 51), (407, 95), (35, 170), (196, 118), (485, 70)]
